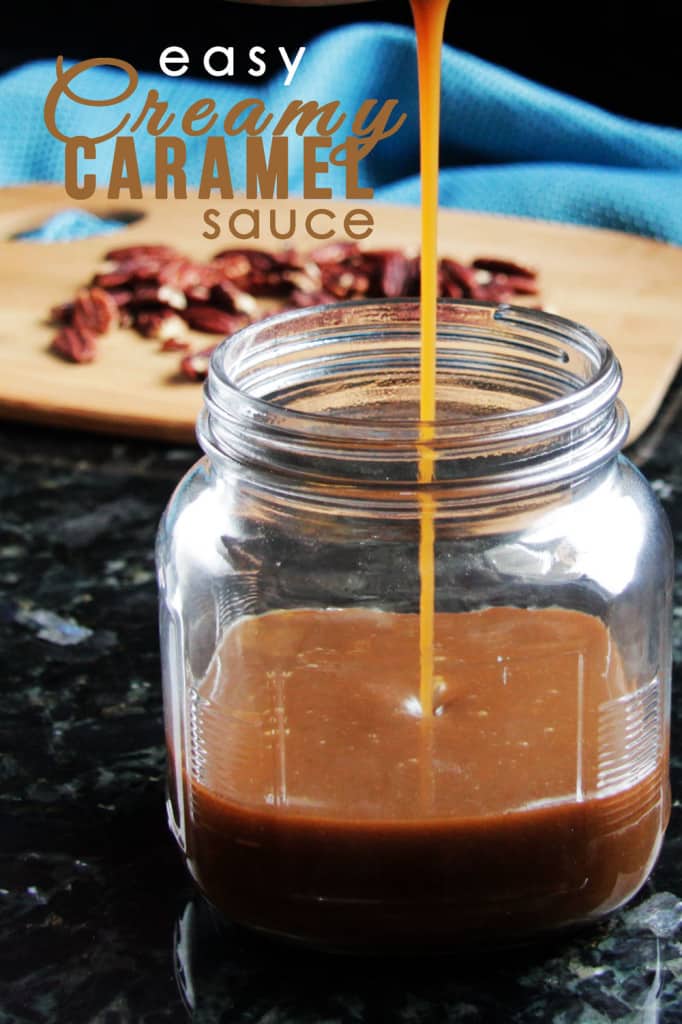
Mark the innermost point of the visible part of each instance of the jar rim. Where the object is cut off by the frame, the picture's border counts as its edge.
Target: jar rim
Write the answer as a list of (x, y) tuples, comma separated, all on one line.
[(609, 372), (255, 376)]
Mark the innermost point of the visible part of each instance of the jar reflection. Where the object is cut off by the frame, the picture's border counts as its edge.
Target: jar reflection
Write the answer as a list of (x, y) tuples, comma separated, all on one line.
[(223, 970)]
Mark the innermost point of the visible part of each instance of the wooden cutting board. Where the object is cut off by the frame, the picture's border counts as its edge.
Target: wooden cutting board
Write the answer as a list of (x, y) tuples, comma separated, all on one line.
[(628, 289)]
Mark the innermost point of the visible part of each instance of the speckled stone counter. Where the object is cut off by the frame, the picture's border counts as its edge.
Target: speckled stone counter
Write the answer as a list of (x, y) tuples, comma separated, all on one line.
[(99, 922)]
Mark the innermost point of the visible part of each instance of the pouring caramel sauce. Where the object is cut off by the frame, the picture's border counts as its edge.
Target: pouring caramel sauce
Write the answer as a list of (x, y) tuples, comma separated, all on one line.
[(429, 23)]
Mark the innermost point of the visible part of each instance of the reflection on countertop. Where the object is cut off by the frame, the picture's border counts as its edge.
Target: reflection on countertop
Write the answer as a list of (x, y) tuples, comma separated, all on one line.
[(100, 924)]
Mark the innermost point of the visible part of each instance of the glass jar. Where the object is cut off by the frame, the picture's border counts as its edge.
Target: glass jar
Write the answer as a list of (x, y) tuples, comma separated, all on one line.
[(312, 792)]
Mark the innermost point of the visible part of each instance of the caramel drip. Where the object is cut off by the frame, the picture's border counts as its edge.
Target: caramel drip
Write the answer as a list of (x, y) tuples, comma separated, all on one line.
[(429, 23)]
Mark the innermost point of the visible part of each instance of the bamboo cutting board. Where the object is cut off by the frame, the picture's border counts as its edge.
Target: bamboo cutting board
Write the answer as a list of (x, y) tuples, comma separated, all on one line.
[(626, 288)]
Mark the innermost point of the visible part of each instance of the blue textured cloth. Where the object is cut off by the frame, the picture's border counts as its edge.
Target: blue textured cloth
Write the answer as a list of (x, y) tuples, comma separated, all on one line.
[(67, 225), (508, 145)]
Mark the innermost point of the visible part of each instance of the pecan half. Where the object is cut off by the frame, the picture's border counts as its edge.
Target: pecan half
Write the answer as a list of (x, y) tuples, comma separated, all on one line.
[(197, 293), (121, 296), (94, 310), (455, 273), (76, 344), (450, 289), (139, 270), (518, 284), (227, 296), (62, 314), (174, 345), (391, 273), (213, 320), (303, 279), (233, 265), (158, 295), (500, 266), (256, 259), (195, 366), (267, 286), (161, 324), (343, 282), (180, 273), (334, 252), (495, 292), (256, 271), (113, 278)]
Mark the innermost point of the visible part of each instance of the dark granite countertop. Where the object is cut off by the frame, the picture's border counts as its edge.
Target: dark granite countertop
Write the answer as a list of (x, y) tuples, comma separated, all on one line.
[(99, 922)]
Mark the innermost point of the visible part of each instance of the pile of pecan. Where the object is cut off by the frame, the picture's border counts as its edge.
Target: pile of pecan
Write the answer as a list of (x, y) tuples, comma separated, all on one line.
[(161, 293)]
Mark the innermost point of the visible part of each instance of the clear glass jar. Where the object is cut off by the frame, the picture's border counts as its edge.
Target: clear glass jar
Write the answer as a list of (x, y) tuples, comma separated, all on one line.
[(311, 794)]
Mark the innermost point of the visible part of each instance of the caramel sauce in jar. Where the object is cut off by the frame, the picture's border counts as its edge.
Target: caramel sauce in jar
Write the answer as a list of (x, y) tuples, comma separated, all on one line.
[(306, 799)]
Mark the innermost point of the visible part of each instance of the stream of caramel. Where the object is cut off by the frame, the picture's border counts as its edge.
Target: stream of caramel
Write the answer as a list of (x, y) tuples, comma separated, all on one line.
[(429, 23)]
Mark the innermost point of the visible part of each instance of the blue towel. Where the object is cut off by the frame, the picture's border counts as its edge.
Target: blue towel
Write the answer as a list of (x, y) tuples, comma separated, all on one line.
[(508, 145), (70, 224)]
